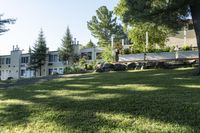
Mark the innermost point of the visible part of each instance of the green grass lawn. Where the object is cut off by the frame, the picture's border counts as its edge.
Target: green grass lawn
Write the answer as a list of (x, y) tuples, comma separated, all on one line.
[(133, 101)]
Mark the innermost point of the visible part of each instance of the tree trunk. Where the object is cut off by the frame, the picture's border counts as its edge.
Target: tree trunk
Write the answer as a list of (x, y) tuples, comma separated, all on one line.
[(40, 70), (195, 10)]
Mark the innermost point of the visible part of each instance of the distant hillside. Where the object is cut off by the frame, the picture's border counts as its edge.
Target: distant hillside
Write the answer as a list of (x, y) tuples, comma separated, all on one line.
[(180, 34), (178, 39)]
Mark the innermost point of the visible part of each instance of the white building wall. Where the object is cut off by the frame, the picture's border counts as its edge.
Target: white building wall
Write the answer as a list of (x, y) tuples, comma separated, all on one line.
[(18, 69)]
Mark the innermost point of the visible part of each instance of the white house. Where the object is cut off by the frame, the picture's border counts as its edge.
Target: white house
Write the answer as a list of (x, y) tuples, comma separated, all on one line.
[(15, 65)]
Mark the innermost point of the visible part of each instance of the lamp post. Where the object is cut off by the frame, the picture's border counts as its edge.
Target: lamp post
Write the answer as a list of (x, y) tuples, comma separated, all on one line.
[(112, 41), (185, 33), (146, 46)]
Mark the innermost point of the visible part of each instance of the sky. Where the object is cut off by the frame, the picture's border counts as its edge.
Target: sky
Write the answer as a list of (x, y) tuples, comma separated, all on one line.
[(53, 16)]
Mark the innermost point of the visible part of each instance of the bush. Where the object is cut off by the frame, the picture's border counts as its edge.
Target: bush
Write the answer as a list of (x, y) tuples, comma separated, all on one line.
[(107, 54), (120, 67), (131, 66), (9, 78), (108, 67), (99, 70), (55, 73), (126, 51), (73, 69), (82, 62), (89, 67), (186, 47), (67, 70), (167, 49)]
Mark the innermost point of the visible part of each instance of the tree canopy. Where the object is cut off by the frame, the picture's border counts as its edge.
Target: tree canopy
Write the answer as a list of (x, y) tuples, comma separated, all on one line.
[(104, 25), (157, 37), (90, 44), (171, 13), (3, 22)]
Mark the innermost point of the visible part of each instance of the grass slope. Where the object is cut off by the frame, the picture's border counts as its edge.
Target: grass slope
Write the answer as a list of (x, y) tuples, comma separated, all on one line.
[(134, 101)]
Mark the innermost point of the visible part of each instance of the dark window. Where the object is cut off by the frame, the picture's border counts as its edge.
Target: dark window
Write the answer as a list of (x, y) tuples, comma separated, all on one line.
[(53, 58), (89, 56), (2, 60), (22, 72), (7, 60), (50, 71), (24, 60)]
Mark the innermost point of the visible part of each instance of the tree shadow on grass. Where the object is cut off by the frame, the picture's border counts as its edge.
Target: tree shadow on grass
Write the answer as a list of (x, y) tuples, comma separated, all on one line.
[(14, 115), (169, 100)]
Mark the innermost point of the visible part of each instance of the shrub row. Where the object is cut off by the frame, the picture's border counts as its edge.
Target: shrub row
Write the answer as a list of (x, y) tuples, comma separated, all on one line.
[(149, 65), (73, 69)]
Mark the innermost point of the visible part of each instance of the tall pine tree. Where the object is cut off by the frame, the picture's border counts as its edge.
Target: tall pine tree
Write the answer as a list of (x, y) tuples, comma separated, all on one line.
[(66, 49), (38, 56), (104, 25), (90, 44)]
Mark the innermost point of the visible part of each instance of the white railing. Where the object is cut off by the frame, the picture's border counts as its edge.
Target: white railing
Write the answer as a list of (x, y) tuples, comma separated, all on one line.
[(160, 56)]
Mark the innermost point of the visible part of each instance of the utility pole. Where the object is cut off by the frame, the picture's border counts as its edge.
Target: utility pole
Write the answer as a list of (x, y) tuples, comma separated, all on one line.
[(185, 33), (146, 46)]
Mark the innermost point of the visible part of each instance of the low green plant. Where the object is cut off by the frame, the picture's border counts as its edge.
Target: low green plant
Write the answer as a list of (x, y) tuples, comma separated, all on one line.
[(127, 51), (82, 62), (90, 67), (185, 47), (73, 69), (107, 54)]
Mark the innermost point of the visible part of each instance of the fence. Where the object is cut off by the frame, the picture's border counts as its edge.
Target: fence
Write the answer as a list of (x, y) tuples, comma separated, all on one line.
[(159, 56)]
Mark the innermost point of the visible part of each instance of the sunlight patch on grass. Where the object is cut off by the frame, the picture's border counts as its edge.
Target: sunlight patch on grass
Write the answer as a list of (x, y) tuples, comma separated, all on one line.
[(94, 97), (134, 87), (15, 101), (191, 86), (70, 92), (78, 85), (159, 74), (42, 127), (182, 78), (41, 96), (129, 123)]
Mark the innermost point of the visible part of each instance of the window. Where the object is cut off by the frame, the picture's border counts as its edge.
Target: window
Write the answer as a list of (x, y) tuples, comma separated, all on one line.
[(22, 72), (24, 60), (89, 56), (1, 60), (7, 60), (53, 58), (50, 71)]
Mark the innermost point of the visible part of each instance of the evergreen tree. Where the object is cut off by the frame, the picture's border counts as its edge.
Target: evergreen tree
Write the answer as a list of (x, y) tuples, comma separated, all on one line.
[(90, 44), (3, 22), (171, 13), (66, 49), (39, 54), (104, 25)]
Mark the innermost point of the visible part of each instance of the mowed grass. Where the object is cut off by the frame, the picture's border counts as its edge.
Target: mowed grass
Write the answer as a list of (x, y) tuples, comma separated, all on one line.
[(133, 101)]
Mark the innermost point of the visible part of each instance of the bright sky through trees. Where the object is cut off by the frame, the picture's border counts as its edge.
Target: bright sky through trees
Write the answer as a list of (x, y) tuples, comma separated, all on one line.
[(53, 16)]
